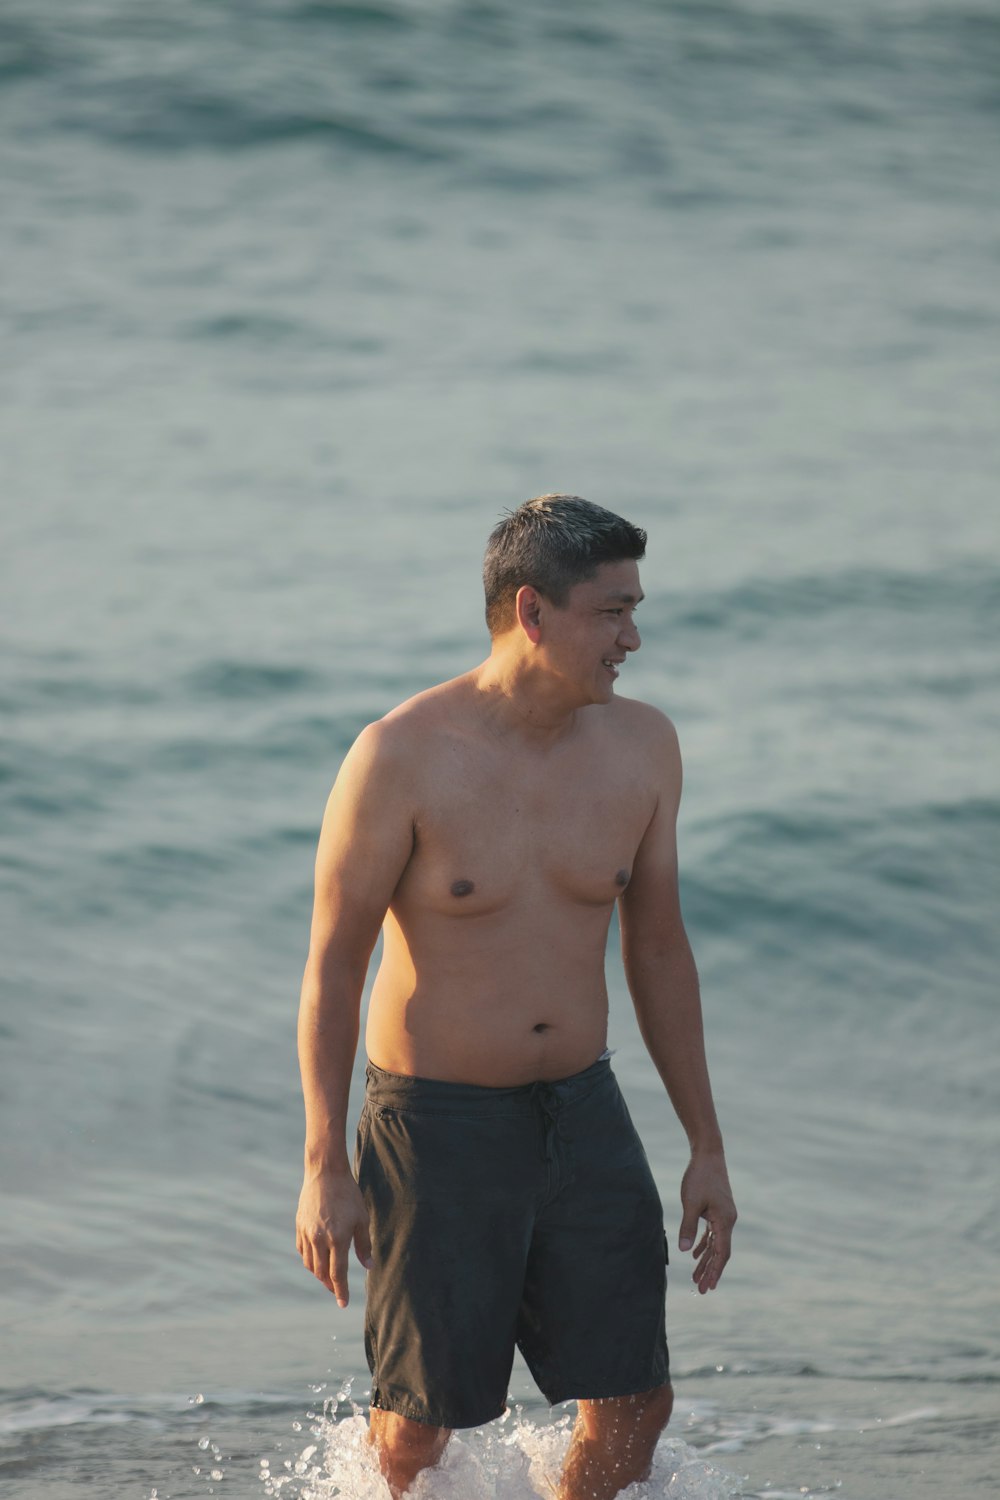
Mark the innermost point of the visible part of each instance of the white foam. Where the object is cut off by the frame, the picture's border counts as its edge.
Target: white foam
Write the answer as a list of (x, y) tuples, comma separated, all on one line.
[(513, 1459)]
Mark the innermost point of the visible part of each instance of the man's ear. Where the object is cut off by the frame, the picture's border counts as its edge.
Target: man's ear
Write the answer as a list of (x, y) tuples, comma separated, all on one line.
[(528, 608)]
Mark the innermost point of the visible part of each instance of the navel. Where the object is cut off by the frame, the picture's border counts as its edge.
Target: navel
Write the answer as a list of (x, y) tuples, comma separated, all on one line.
[(462, 888), (542, 1026), (622, 878)]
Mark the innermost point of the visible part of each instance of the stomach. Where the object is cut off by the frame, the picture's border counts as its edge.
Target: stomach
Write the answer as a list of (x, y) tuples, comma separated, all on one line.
[(498, 1001), (491, 1057), (500, 1023)]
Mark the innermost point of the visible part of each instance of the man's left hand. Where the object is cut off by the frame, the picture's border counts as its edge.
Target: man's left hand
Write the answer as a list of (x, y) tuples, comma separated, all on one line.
[(706, 1194)]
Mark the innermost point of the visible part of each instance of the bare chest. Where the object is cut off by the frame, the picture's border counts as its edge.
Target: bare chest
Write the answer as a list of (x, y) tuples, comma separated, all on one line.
[(490, 833)]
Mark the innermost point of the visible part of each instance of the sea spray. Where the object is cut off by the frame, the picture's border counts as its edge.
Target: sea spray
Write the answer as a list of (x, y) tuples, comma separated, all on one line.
[(513, 1459)]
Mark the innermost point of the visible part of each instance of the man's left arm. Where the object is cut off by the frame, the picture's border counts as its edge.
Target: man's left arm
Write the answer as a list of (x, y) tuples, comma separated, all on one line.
[(663, 981)]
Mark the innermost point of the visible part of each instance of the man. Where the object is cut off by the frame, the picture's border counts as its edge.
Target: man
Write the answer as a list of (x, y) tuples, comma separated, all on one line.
[(488, 826)]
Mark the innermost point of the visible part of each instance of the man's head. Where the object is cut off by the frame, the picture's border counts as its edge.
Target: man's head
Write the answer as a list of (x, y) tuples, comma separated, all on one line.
[(550, 544)]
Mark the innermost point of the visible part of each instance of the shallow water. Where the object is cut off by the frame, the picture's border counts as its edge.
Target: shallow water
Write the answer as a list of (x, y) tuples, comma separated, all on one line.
[(297, 298)]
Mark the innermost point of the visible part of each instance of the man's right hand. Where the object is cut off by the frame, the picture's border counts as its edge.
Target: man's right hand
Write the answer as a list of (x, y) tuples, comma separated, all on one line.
[(331, 1215)]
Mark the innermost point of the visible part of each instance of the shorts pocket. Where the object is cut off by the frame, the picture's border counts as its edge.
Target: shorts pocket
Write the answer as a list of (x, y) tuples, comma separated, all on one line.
[(362, 1141)]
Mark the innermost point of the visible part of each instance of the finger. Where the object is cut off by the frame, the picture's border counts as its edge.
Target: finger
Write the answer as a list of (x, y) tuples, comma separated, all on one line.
[(716, 1248), (314, 1258), (706, 1282), (705, 1275), (723, 1249), (324, 1270), (337, 1274), (689, 1228)]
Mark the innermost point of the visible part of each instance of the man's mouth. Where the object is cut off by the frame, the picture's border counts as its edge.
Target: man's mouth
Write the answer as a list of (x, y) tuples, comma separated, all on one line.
[(613, 663)]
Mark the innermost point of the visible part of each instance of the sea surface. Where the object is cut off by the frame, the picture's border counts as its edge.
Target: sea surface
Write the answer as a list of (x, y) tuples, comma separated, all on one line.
[(296, 298)]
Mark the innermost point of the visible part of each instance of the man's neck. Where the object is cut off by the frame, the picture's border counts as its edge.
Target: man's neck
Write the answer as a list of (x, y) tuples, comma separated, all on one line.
[(516, 701)]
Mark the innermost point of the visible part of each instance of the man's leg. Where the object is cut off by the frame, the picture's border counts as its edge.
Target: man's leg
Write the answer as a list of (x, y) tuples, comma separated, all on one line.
[(613, 1442), (405, 1448)]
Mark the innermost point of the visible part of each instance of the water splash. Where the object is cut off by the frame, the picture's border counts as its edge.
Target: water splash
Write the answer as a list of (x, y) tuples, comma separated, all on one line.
[(512, 1459)]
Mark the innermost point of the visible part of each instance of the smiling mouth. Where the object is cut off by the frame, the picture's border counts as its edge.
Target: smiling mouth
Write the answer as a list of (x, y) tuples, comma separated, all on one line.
[(613, 663)]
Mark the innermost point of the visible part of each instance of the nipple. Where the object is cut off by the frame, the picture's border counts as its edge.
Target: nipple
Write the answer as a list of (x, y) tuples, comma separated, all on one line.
[(462, 888), (622, 878)]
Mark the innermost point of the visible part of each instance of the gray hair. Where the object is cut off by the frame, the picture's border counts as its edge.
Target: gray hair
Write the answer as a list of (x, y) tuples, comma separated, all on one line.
[(552, 543)]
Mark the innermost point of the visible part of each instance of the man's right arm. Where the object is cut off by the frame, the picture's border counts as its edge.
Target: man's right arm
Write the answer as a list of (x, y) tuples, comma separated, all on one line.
[(364, 846)]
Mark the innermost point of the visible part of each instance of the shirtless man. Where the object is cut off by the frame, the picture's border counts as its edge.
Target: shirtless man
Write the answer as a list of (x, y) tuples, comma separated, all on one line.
[(488, 826)]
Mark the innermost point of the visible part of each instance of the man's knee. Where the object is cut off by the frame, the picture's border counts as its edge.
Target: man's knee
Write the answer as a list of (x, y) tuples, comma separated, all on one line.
[(645, 1416), (614, 1442), (654, 1408), (625, 1418), (407, 1445)]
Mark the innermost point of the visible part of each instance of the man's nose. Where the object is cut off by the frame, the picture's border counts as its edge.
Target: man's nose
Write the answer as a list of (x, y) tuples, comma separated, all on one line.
[(630, 637)]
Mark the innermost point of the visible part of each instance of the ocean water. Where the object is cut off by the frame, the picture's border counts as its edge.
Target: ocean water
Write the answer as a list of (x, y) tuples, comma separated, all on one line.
[(297, 297)]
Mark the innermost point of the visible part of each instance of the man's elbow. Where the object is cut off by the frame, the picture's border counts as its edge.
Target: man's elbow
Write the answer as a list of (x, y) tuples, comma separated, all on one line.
[(657, 952), (333, 975)]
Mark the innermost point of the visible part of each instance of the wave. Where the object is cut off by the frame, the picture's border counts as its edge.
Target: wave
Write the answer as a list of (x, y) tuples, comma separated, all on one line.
[(173, 118), (903, 885), (26, 52), (250, 680), (35, 1410), (406, 82), (757, 604), (342, 15)]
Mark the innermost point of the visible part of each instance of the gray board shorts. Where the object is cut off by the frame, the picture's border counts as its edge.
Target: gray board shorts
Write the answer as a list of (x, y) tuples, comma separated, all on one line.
[(505, 1216)]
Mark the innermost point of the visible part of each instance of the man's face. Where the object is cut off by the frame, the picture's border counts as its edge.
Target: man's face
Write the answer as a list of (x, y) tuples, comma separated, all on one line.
[(589, 638)]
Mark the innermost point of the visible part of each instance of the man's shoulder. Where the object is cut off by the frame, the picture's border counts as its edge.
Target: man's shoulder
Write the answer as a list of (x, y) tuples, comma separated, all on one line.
[(431, 712), (643, 723), (653, 748), (390, 756)]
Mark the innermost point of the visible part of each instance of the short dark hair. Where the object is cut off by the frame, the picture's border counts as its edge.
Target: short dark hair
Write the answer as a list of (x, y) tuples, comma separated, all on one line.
[(552, 543)]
